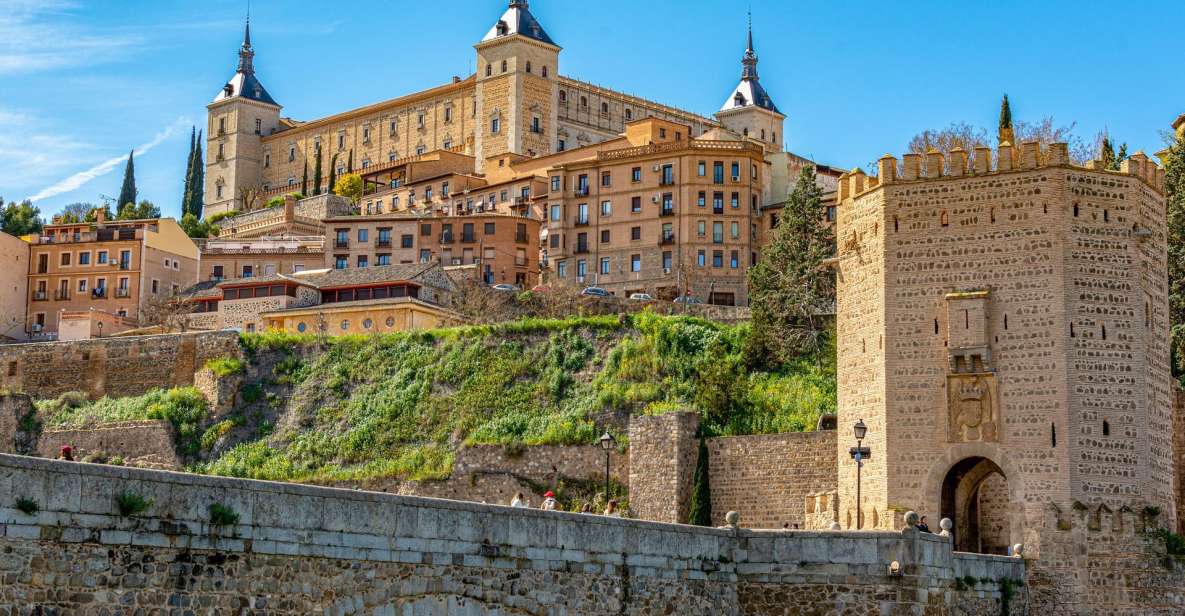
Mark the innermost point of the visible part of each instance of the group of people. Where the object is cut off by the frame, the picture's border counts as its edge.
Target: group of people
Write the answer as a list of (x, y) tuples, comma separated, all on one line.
[(551, 504)]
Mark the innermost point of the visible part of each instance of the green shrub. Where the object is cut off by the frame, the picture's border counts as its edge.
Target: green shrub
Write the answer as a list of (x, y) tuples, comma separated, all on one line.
[(184, 407), (27, 506), (222, 515), (251, 393), (217, 431), (130, 503), (225, 366)]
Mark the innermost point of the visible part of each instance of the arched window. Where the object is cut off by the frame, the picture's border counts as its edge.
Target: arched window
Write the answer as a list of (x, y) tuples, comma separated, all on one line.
[(504, 66), (629, 114), (528, 66), (544, 71), (763, 134), (489, 70), (563, 96), (584, 101), (604, 107)]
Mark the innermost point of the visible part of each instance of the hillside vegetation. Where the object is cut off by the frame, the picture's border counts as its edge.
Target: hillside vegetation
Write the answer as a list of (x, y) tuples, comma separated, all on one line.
[(348, 408)]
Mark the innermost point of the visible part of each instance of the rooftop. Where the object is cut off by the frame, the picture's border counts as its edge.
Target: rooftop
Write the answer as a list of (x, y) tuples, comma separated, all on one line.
[(518, 20)]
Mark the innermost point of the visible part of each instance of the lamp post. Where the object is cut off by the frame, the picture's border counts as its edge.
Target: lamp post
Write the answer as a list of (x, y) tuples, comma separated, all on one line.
[(607, 441), (100, 329), (859, 454)]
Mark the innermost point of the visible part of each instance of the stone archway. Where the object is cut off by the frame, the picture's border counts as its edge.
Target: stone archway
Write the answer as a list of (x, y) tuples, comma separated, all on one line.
[(975, 496)]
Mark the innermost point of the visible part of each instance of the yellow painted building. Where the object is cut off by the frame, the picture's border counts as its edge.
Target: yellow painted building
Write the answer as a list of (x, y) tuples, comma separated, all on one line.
[(363, 317)]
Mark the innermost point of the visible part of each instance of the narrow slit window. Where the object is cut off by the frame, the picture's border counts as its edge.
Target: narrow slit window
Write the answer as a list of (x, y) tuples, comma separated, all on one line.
[(1052, 435), (1106, 428)]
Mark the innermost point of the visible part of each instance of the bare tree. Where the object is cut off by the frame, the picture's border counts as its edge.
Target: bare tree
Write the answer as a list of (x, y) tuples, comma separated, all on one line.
[(168, 311), (969, 137), (250, 198), (479, 303)]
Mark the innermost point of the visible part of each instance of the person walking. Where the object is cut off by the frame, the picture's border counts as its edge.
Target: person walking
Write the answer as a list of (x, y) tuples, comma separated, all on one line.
[(549, 502), (922, 526), (611, 509), (519, 501), (67, 453)]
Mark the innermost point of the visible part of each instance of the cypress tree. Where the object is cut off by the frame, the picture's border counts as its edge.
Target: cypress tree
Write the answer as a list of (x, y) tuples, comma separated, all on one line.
[(317, 172), (701, 493), (304, 179), (332, 174), (1174, 188), (198, 197), (1107, 152), (350, 163), (127, 192), (187, 192), (1004, 132)]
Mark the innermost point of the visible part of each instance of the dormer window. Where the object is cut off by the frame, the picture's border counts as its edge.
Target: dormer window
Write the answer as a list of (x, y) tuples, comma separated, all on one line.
[(502, 29), (739, 100)]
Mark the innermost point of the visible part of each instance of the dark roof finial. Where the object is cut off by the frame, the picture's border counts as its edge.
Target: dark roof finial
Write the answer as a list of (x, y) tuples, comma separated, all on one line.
[(750, 47), (247, 29), (749, 61)]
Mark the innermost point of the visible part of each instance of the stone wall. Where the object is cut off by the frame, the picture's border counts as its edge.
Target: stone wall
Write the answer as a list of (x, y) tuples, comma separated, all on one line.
[(1179, 454), (663, 455), (768, 478), (13, 408), (301, 549), (147, 443), (111, 366)]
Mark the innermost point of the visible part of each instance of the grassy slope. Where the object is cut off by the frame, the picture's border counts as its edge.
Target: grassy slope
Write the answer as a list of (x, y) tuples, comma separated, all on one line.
[(357, 407)]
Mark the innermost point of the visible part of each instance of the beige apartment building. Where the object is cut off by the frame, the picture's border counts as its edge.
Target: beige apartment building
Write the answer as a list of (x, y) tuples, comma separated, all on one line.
[(14, 280), (114, 266), (248, 257), (504, 247)]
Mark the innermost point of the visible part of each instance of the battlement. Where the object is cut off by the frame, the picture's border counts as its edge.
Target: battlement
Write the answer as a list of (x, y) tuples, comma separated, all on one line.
[(1126, 521), (982, 161)]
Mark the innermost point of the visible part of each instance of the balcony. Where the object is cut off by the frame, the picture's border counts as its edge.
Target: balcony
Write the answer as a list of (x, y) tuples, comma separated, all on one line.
[(667, 239), (468, 238), (446, 238), (61, 295), (99, 293), (382, 243), (581, 249), (717, 209), (520, 238), (666, 182), (667, 211), (341, 243), (123, 292), (123, 265), (39, 296), (582, 222), (582, 191)]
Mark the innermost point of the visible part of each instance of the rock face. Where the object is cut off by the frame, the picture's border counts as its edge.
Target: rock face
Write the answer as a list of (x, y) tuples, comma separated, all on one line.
[(300, 549)]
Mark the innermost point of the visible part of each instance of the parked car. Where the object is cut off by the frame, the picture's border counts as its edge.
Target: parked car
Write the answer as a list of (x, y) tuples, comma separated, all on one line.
[(595, 292), (642, 297), (687, 299), (505, 286)]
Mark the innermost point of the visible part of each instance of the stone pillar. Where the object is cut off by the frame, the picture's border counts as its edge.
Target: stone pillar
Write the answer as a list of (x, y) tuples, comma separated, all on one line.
[(663, 455)]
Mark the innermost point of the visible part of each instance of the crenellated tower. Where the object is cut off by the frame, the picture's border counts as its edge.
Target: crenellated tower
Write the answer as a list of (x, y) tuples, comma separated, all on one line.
[(749, 110), (517, 72), (237, 120)]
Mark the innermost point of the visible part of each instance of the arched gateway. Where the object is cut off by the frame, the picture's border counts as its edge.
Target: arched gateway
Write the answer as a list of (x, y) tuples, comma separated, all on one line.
[(975, 498)]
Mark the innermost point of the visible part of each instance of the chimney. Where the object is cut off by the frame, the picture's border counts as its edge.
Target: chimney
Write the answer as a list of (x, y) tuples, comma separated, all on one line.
[(100, 216), (289, 209)]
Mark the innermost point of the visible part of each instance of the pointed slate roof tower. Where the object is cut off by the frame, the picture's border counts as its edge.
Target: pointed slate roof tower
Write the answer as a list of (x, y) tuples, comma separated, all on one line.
[(749, 91), (518, 20), (244, 83)]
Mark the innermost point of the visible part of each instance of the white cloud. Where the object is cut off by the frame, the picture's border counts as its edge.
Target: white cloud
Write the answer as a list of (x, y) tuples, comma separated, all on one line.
[(35, 36), (76, 180)]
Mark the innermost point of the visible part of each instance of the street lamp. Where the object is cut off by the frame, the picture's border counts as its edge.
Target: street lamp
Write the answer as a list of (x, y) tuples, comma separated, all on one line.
[(859, 454), (607, 441)]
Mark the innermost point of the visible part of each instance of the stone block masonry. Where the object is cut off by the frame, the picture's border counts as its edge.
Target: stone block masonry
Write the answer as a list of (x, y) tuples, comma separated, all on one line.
[(140, 443), (768, 478), (111, 366), (663, 454), (301, 549)]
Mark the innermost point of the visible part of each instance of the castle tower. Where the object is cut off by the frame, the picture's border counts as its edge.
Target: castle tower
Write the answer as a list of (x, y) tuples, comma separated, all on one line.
[(749, 110), (517, 69), (237, 119), (1003, 334)]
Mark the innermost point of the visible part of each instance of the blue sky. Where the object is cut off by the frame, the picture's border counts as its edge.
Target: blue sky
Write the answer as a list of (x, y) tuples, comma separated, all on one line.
[(81, 83)]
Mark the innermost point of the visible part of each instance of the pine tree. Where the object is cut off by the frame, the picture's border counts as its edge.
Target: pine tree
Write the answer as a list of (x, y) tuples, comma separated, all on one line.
[(304, 179), (1174, 185), (187, 192), (1004, 131), (317, 172), (701, 492), (332, 174), (127, 193), (198, 197), (791, 288)]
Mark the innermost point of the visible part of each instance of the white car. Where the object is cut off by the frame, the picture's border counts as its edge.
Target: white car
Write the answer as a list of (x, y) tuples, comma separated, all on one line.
[(687, 300), (641, 297), (506, 287)]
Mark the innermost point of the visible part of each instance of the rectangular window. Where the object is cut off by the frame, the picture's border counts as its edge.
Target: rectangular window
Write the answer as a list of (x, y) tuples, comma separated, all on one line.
[(606, 178), (604, 236), (635, 233), (604, 265), (561, 269), (82, 286), (717, 203), (702, 199), (581, 269), (555, 183), (735, 230), (65, 258), (734, 259), (406, 240), (557, 213), (258, 126), (701, 228), (248, 271), (155, 286), (363, 235), (340, 262), (717, 258), (701, 169), (84, 258), (582, 214), (606, 208), (736, 200), (736, 172), (699, 258), (717, 233), (636, 174), (363, 261), (101, 257), (668, 175), (666, 260), (426, 229), (554, 240), (489, 228), (635, 204), (635, 263), (668, 205), (425, 255), (718, 172)]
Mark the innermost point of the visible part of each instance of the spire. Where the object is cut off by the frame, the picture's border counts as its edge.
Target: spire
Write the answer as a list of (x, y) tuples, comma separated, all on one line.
[(749, 61), (246, 55)]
